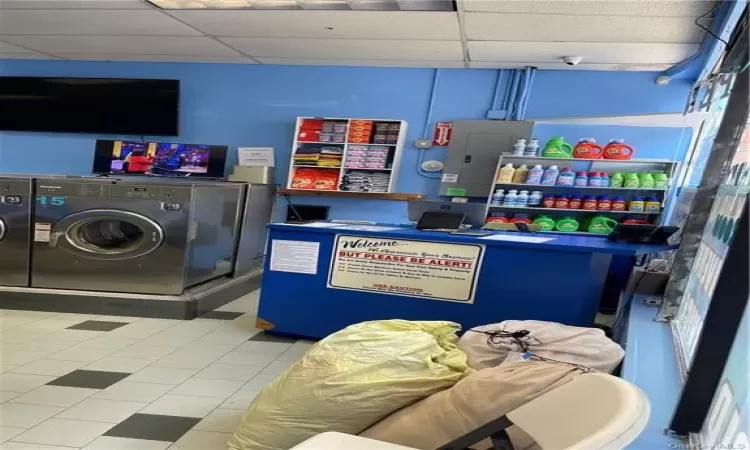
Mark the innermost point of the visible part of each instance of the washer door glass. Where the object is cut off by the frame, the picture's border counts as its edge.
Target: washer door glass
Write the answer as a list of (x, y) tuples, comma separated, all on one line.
[(3, 228), (107, 234)]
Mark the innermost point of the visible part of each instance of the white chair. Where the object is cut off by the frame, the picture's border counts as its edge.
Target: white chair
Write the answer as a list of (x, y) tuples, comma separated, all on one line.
[(591, 412)]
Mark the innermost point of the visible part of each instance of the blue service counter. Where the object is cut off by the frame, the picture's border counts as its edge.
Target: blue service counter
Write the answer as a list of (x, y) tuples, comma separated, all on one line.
[(320, 278)]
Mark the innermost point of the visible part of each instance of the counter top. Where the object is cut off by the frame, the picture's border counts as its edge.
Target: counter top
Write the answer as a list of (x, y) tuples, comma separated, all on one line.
[(562, 242)]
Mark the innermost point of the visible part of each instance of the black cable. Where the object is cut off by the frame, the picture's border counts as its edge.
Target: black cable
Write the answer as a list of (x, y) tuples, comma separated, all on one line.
[(703, 16), (291, 206)]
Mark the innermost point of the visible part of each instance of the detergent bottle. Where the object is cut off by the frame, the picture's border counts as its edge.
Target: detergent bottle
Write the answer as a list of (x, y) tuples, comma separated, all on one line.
[(606, 179), (587, 148), (646, 180), (601, 225), (505, 175), (631, 180), (595, 179), (550, 176), (532, 148), (519, 147), (581, 179), (652, 205), (497, 198), (661, 180), (535, 175), (545, 222), (522, 199), (510, 198), (567, 223), (618, 149), (519, 176), (616, 180), (566, 178), (557, 148), (535, 199)]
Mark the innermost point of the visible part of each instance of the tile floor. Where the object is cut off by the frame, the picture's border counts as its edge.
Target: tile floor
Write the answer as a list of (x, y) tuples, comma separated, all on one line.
[(77, 381)]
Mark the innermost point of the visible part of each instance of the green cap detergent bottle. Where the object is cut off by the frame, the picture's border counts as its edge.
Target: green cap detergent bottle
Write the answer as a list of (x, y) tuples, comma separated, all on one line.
[(557, 148), (601, 225), (545, 222), (567, 223)]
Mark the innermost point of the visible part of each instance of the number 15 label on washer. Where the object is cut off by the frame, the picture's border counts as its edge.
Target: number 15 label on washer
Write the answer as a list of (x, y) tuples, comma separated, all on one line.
[(42, 232)]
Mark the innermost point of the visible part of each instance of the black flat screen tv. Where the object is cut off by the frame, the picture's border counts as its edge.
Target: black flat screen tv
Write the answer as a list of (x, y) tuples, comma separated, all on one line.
[(159, 158), (90, 105)]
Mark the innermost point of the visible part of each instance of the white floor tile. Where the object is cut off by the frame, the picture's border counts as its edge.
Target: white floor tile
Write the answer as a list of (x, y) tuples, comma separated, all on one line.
[(202, 440), (18, 382), (297, 350), (12, 322), (81, 354), (207, 349), (96, 410), (55, 396), (221, 420), (45, 345), (168, 340), (118, 443), (25, 416), (275, 348), (135, 392), (277, 367), (11, 445), (246, 303), (73, 335), (248, 359), (49, 367), (7, 395), (229, 372), (19, 335), (224, 336), (113, 364), (50, 324), (20, 356), (106, 342), (182, 405), (259, 382), (203, 387), (193, 328), (162, 375), (128, 319), (22, 313), (180, 360), (8, 367), (145, 351), (69, 433), (239, 400), (8, 432)]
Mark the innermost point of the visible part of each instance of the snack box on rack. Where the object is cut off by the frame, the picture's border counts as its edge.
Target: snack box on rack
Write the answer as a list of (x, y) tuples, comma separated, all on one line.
[(309, 136), (360, 128), (358, 140), (360, 122)]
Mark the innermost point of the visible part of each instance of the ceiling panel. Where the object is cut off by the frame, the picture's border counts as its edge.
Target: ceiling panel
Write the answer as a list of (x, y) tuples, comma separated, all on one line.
[(661, 8), (364, 62), (24, 56), (10, 48), (160, 58), (560, 66), (348, 49), (563, 27), (123, 23), (73, 4), (325, 24), (126, 45), (601, 53)]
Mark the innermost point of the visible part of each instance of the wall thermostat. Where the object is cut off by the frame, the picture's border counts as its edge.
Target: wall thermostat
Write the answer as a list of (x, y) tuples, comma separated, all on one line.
[(423, 143)]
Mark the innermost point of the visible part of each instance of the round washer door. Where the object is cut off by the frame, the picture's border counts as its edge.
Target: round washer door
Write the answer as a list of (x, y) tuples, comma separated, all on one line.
[(107, 234), (3, 229)]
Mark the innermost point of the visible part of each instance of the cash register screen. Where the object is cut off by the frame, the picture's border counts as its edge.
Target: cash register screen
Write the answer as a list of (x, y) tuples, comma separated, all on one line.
[(432, 220)]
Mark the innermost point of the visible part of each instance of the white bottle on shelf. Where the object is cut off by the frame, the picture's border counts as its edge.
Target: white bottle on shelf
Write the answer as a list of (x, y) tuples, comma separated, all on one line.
[(531, 148), (522, 199), (497, 198), (510, 198), (519, 147)]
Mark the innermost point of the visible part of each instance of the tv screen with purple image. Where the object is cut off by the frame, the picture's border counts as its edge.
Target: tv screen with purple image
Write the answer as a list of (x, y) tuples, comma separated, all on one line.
[(159, 158)]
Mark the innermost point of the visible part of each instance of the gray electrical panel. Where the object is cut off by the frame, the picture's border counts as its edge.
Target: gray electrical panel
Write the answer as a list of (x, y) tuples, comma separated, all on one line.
[(473, 153)]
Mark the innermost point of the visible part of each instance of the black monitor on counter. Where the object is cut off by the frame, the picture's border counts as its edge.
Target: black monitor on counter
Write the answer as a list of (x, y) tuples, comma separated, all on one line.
[(159, 159)]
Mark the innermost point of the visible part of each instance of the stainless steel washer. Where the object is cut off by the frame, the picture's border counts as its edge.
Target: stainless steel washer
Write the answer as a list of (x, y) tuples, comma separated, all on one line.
[(133, 235), (16, 202)]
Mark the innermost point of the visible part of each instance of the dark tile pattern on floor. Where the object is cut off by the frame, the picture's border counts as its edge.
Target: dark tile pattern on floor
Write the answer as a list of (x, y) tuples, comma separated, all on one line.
[(223, 315), (97, 325), (153, 427), (265, 337), (90, 379)]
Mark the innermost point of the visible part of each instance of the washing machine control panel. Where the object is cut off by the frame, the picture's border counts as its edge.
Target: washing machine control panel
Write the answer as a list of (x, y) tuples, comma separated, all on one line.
[(171, 206), (11, 199)]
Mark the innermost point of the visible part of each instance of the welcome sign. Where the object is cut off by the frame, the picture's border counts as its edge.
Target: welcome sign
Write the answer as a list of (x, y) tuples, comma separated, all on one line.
[(434, 270)]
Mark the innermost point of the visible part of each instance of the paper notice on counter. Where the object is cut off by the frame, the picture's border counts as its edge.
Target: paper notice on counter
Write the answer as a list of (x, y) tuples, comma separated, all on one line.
[(294, 256), (256, 156), (431, 270), (529, 239)]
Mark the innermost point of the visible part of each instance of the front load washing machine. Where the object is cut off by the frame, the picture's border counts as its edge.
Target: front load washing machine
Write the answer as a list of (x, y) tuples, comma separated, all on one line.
[(135, 236), (16, 201)]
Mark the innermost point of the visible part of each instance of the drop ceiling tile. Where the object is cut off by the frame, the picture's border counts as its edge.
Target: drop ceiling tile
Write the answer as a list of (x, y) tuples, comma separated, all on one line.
[(648, 8), (325, 24), (24, 56), (92, 22), (568, 28), (10, 48), (601, 53), (348, 49), (124, 45), (160, 58), (73, 4), (560, 66), (366, 63)]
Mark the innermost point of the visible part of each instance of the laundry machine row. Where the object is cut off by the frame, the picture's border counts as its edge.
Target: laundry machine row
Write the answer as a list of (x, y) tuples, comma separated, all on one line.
[(117, 235)]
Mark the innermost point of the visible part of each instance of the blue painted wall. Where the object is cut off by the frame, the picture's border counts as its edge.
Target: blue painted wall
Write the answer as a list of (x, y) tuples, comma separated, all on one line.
[(246, 105)]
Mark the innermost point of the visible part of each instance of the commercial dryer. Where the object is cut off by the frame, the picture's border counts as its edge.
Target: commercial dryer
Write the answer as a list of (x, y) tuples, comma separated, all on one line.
[(136, 236), (16, 202)]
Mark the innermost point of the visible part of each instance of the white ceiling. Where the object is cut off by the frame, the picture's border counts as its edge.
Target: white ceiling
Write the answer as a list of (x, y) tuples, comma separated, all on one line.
[(609, 35)]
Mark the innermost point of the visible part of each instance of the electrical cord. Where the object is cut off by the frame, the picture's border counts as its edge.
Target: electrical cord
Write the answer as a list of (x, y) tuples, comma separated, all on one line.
[(703, 16), (287, 197)]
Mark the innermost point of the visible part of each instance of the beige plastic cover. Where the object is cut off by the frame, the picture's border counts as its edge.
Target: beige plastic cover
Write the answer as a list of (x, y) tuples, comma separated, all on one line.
[(476, 400), (350, 380)]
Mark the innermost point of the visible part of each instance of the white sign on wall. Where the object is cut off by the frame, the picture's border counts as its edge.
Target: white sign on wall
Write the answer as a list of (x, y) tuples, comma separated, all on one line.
[(434, 270)]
